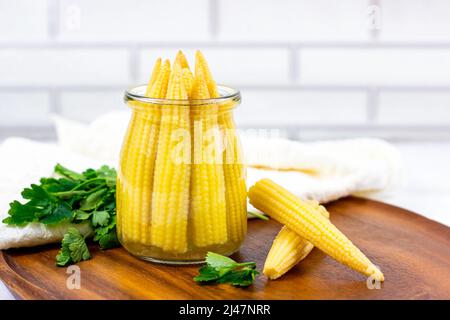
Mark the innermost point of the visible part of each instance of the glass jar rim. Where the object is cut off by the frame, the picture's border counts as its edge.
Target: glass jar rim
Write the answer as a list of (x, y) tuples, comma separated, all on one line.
[(227, 94)]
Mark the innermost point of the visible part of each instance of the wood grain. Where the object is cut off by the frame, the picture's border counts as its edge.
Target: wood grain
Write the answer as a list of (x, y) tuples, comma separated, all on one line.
[(412, 251)]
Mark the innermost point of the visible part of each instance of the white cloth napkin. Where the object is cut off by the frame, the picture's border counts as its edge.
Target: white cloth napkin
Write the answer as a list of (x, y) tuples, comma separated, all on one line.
[(324, 171)]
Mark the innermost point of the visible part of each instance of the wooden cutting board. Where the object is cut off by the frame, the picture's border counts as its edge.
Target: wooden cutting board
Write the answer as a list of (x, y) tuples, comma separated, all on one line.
[(412, 251)]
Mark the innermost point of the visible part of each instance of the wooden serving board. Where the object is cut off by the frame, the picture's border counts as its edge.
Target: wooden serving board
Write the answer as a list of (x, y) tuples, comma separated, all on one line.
[(412, 251)]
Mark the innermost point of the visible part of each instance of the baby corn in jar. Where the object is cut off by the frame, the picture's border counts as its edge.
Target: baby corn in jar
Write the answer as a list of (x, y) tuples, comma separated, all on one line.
[(181, 183)]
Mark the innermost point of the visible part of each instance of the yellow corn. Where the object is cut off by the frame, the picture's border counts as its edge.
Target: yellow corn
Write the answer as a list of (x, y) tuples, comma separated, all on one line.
[(201, 63), (288, 249), (234, 172), (138, 151), (181, 60), (188, 79), (149, 144), (299, 216), (154, 76), (208, 204), (170, 202)]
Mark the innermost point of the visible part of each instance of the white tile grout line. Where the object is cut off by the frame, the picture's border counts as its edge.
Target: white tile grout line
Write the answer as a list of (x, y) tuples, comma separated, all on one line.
[(213, 18), (374, 33), (372, 94), (293, 64), (133, 61), (53, 7), (61, 44), (372, 106), (55, 101)]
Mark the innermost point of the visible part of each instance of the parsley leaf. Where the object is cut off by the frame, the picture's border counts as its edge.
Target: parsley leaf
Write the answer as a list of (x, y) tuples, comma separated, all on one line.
[(69, 174), (73, 248), (87, 197), (108, 240), (19, 214), (218, 261), (100, 218), (61, 212), (221, 269)]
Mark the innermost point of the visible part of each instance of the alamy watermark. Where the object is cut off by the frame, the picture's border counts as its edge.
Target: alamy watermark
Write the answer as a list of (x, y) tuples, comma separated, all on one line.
[(73, 281), (373, 17)]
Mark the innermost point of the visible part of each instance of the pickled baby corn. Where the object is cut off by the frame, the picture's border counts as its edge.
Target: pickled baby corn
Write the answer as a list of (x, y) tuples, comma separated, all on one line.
[(299, 216), (174, 189), (236, 190), (158, 90), (181, 60), (139, 152), (170, 201), (188, 79), (208, 204), (288, 249)]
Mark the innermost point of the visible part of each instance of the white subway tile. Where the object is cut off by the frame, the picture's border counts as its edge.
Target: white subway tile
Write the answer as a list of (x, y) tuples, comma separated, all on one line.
[(143, 20), (415, 20), (231, 66), (23, 20), (286, 20), (64, 67), (414, 108), (86, 106), (375, 66), (286, 107), (24, 109)]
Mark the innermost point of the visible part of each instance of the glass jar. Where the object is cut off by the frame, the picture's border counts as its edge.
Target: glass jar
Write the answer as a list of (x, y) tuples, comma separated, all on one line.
[(181, 181)]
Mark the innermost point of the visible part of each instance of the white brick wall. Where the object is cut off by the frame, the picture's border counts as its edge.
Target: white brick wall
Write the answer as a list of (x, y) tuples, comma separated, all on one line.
[(318, 69), (417, 20), (143, 20), (375, 66), (68, 66), (413, 108), (286, 107), (85, 106), (22, 109), (23, 20), (287, 20), (232, 66)]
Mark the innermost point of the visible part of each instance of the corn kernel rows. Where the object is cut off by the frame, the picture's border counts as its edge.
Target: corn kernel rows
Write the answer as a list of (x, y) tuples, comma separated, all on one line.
[(208, 204), (234, 172), (299, 216), (170, 201), (153, 209), (288, 249)]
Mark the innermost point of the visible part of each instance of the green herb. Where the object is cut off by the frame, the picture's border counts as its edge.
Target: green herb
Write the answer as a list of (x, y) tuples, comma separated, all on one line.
[(87, 197), (258, 215), (221, 269), (73, 248)]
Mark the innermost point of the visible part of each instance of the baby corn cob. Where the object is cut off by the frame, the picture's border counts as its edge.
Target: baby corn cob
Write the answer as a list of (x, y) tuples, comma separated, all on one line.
[(234, 172), (200, 63), (299, 216), (181, 60), (154, 76), (150, 139), (188, 79), (170, 202), (208, 204), (288, 249), (135, 152)]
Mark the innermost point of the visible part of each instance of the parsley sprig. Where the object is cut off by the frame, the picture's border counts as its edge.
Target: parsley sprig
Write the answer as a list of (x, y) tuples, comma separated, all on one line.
[(87, 197), (221, 269)]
